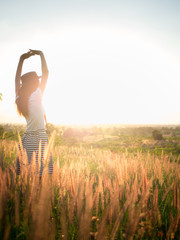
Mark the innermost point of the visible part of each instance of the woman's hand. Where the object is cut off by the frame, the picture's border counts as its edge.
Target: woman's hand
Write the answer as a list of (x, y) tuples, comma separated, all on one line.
[(27, 55), (35, 52)]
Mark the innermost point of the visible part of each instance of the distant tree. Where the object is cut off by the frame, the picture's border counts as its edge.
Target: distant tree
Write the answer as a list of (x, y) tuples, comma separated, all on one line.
[(157, 135)]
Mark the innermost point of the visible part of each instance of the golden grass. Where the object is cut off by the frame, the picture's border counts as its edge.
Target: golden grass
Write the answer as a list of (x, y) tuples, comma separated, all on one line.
[(92, 193)]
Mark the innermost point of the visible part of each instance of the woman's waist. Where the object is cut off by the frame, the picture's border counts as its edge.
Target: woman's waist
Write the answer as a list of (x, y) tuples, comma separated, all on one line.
[(35, 130), (34, 124)]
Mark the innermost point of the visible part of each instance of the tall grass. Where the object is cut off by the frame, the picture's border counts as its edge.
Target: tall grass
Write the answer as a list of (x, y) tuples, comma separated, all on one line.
[(92, 194)]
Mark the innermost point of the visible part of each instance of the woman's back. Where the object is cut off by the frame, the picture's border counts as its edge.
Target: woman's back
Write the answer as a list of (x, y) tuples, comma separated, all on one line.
[(35, 118)]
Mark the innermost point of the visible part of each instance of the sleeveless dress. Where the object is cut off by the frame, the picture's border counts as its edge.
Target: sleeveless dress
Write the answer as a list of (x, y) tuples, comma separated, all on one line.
[(35, 133)]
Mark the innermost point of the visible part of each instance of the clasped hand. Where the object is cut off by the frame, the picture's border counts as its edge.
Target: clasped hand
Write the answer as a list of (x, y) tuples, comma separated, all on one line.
[(30, 53)]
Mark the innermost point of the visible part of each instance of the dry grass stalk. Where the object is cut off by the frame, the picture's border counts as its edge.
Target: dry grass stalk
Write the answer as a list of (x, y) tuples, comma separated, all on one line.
[(136, 209), (155, 205), (120, 215), (2, 158), (176, 194), (3, 193), (42, 216), (102, 226), (133, 221), (33, 190), (72, 196), (85, 220), (7, 232), (17, 207), (101, 191), (167, 191), (64, 222), (79, 200), (173, 226)]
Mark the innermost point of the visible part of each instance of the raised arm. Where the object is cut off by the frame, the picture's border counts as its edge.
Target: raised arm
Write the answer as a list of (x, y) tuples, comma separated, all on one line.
[(44, 68), (19, 70)]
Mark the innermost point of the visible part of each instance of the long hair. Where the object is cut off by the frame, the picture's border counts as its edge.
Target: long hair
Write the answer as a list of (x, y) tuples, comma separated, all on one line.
[(30, 82)]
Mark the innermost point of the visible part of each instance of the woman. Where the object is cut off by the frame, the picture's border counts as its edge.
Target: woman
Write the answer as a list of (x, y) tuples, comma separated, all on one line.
[(29, 91)]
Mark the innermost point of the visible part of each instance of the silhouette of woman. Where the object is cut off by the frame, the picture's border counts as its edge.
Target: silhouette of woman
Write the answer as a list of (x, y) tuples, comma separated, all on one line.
[(29, 91)]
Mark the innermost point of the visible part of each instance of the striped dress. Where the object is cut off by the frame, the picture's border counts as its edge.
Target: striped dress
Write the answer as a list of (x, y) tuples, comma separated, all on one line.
[(35, 134), (31, 143)]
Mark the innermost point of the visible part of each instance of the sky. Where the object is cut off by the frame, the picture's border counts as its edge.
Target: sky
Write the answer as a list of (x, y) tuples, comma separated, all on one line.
[(110, 62)]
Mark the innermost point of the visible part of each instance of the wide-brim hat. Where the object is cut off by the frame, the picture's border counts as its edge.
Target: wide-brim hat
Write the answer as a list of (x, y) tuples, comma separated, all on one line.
[(29, 77)]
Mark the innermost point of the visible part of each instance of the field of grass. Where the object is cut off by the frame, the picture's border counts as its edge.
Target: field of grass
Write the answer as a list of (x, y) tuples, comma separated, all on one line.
[(112, 183)]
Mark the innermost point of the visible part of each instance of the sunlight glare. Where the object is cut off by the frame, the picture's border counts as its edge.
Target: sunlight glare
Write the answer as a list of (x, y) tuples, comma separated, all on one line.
[(107, 75)]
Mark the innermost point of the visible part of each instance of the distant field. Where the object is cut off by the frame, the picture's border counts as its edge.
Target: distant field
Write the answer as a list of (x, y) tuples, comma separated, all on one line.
[(115, 138), (108, 183)]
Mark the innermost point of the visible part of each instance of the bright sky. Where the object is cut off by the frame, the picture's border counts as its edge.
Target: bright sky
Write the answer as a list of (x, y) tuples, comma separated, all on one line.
[(110, 61)]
